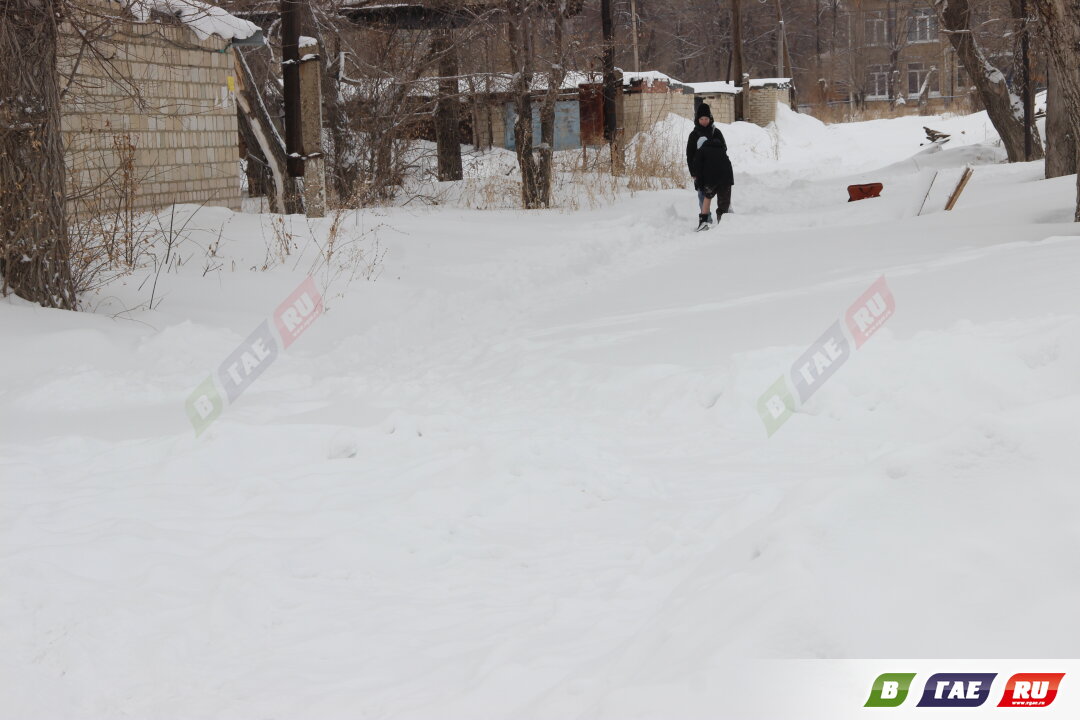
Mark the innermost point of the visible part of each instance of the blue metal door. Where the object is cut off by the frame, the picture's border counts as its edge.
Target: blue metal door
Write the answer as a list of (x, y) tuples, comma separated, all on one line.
[(567, 125)]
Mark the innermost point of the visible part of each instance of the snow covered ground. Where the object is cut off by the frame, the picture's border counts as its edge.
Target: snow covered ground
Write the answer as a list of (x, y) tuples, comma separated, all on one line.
[(520, 473)]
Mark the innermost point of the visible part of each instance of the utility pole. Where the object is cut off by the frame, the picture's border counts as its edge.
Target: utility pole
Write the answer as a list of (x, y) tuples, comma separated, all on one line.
[(736, 54), (290, 73), (1029, 100), (783, 52), (634, 32), (311, 124), (779, 44)]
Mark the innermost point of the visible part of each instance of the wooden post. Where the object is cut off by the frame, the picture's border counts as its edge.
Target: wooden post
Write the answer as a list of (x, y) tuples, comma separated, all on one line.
[(290, 74), (959, 188), (311, 122)]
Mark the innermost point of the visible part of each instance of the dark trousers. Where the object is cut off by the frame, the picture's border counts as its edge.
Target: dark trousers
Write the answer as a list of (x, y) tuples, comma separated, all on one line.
[(722, 199)]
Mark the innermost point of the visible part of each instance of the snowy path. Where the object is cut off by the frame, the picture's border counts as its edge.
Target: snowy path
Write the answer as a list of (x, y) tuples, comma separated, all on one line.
[(521, 474)]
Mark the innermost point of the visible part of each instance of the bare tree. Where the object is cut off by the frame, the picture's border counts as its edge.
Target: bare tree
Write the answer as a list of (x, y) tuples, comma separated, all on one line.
[(520, 19), (554, 17), (1003, 107)]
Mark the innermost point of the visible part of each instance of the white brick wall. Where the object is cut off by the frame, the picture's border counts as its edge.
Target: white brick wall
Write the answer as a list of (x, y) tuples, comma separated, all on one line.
[(761, 109), (158, 121), (643, 110)]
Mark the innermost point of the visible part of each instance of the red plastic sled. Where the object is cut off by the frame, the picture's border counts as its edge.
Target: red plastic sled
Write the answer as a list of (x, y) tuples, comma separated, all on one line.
[(861, 192)]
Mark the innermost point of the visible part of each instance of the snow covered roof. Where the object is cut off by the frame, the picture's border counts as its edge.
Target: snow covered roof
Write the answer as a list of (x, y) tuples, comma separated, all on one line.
[(501, 83), (714, 87), (376, 6), (648, 77), (493, 82), (203, 19), (723, 86), (771, 82)]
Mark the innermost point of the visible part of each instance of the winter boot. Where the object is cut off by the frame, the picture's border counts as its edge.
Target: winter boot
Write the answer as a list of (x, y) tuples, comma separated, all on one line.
[(703, 221)]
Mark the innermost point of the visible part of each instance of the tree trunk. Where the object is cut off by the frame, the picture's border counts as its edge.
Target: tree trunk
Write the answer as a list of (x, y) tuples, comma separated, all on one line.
[(1059, 27), (531, 195), (1061, 146), (447, 125), (1004, 109), (35, 260), (521, 61), (547, 110)]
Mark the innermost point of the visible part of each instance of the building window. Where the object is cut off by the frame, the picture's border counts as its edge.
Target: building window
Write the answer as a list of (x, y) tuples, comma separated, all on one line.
[(963, 82), (922, 26), (916, 74), (877, 29), (877, 82)]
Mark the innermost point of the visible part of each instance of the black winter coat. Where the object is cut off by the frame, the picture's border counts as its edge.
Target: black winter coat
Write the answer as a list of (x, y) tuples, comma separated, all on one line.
[(709, 164)]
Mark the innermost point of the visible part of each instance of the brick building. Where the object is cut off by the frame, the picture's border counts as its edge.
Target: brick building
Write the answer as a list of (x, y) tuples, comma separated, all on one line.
[(904, 54), (892, 53), (151, 121)]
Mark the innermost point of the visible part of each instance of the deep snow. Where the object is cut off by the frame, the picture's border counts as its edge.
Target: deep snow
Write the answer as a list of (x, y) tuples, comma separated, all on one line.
[(521, 474)]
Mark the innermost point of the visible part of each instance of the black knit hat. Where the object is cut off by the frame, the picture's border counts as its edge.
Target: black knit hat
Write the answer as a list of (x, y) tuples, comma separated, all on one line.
[(703, 110)]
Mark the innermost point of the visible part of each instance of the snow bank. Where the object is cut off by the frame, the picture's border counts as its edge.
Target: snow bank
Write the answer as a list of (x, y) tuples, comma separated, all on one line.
[(521, 473)]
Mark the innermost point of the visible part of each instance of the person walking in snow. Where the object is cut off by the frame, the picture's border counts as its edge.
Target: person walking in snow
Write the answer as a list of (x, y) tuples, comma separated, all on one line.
[(706, 156)]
